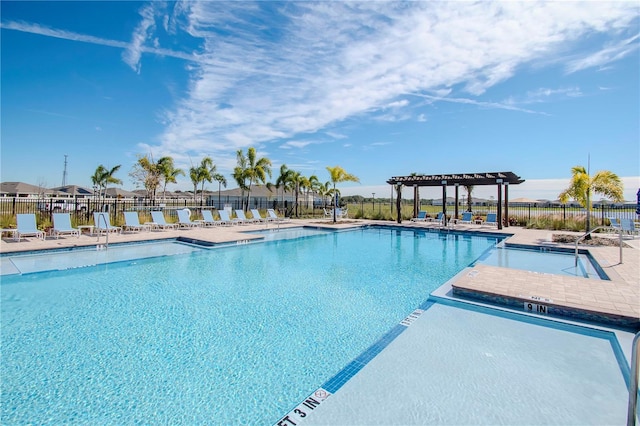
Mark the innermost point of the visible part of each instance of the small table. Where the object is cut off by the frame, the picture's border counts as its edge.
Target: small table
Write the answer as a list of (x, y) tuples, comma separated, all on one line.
[(478, 221), (11, 230), (89, 227)]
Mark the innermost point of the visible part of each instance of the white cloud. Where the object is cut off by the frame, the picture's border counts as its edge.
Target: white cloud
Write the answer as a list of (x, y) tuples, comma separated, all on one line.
[(131, 56), (605, 56), (268, 71)]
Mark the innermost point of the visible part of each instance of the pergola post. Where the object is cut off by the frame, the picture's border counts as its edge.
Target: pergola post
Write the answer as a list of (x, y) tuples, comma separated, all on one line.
[(457, 185), (416, 200), (444, 202), (399, 201), (506, 204), (499, 214)]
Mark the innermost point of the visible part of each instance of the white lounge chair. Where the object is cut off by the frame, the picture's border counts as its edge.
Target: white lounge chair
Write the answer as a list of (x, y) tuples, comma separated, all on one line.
[(208, 220), (256, 215), (102, 223), (62, 225), (184, 220), (243, 218), (422, 216), (226, 220), (614, 225), (271, 214), (132, 222), (159, 221), (27, 226)]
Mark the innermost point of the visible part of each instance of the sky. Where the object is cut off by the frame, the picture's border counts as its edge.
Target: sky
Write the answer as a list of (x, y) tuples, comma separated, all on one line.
[(380, 88)]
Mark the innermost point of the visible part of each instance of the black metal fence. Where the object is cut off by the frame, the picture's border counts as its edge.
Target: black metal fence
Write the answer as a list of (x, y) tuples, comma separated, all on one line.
[(81, 209)]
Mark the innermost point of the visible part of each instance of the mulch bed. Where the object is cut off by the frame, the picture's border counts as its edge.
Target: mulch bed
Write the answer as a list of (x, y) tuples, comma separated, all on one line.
[(594, 241)]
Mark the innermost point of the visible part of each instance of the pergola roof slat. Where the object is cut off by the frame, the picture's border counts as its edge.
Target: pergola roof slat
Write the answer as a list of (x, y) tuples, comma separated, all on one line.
[(475, 179)]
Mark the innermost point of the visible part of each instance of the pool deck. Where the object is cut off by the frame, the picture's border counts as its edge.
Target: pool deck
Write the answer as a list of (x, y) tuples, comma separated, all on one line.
[(357, 402)]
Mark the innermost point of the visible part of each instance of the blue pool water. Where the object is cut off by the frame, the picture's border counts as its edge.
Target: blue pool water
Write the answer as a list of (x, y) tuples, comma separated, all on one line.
[(542, 260), (234, 335)]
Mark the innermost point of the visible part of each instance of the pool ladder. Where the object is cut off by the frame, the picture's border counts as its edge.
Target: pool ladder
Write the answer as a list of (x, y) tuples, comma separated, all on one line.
[(106, 227), (632, 409), (589, 233)]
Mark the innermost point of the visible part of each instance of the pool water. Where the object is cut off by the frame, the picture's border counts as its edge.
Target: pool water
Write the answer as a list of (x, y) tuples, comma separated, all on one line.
[(291, 233), (232, 335), (542, 260), (94, 255)]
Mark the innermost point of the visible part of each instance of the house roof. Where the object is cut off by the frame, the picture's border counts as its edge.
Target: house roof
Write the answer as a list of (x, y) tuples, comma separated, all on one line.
[(73, 190), (22, 188)]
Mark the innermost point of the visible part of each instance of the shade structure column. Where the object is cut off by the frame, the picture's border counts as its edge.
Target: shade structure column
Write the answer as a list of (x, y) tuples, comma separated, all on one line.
[(444, 202), (416, 201), (506, 204), (399, 201), (457, 185), (499, 213)]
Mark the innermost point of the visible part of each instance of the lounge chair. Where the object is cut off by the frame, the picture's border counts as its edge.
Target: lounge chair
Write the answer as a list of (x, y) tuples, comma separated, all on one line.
[(628, 226), (467, 217), (102, 223), (271, 214), (184, 221), (132, 222), (159, 221), (256, 215), (62, 225), (27, 226), (208, 220), (492, 220), (437, 219), (226, 220), (422, 216), (243, 218), (615, 225)]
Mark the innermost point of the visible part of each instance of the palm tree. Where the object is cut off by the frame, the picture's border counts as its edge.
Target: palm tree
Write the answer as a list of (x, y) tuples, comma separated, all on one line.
[(221, 181), (194, 175), (256, 170), (102, 177), (338, 174), (582, 186), (169, 173), (324, 190), (313, 186), (299, 182), (205, 174), (285, 180), (469, 189), (240, 173)]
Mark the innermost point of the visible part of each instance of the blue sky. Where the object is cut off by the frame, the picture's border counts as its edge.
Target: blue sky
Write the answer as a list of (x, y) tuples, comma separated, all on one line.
[(380, 88)]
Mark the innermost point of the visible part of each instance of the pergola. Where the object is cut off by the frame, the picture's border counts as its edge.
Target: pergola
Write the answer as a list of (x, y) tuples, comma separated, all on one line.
[(500, 179)]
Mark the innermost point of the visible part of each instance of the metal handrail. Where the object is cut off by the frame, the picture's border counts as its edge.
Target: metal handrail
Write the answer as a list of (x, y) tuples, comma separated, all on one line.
[(589, 233), (632, 414), (104, 219)]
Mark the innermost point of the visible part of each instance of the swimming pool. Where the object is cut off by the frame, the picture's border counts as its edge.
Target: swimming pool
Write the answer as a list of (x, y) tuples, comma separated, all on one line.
[(543, 259), (233, 335), (230, 335)]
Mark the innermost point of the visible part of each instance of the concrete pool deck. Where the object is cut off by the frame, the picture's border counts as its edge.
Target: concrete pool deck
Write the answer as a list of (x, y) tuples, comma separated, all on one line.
[(620, 295)]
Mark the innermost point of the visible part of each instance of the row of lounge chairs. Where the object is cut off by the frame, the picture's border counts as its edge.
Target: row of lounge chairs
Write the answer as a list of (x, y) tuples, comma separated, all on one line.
[(26, 222), (467, 218)]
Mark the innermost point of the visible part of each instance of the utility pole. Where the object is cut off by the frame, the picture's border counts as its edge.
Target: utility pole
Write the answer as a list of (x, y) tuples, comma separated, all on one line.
[(64, 173)]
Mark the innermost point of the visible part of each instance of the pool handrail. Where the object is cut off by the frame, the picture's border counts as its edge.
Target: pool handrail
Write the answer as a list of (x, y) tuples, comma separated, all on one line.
[(589, 233), (632, 408)]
